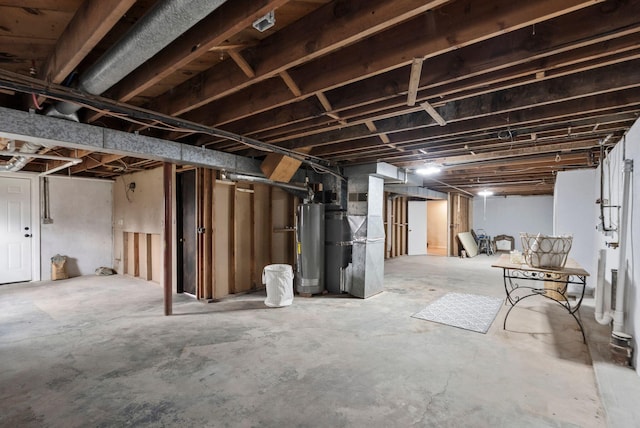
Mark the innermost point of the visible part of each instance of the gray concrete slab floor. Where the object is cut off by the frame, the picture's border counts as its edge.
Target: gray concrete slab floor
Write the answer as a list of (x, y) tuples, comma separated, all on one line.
[(97, 351)]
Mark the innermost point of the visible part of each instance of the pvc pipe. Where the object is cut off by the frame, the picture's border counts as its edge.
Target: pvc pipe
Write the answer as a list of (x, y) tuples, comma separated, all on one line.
[(618, 315), (603, 316)]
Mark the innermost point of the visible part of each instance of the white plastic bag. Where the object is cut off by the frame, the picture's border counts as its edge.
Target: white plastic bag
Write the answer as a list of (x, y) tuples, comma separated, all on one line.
[(279, 281)]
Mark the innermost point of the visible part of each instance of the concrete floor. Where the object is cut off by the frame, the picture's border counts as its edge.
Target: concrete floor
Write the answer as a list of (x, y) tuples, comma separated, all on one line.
[(97, 351)]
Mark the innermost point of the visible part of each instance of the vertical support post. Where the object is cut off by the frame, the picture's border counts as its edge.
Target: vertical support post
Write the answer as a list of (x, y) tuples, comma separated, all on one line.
[(167, 170), (208, 234), (252, 204), (233, 203)]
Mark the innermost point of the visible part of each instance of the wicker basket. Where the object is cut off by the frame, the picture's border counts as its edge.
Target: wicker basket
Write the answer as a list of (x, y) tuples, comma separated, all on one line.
[(542, 251)]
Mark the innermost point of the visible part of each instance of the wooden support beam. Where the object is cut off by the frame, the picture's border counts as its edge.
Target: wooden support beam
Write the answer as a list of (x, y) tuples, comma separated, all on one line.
[(602, 82), (207, 206), (291, 84), (199, 213), (214, 231), (311, 37), (326, 104), (242, 63), (515, 152), (366, 59), (564, 49), (324, 101), (433, 113), (414, 81), (125, 253), (136, 254), (233, 238), (148, 261), (252, 222), (167, 174)]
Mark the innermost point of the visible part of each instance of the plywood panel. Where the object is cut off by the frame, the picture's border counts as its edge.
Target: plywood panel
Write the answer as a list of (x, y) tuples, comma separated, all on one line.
[(156, 258), (131, 253), (223, 199), (262, 229), (283, 236), (207, 247), (143, 261), (404, 229), (125, 253), (243, 239)]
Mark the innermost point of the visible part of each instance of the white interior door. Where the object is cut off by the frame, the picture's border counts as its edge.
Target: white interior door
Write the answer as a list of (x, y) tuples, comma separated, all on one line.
[(417, 236), (15, 230)]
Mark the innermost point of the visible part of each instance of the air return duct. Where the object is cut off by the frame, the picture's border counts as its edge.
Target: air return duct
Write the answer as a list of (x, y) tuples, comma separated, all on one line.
[(18, 162)]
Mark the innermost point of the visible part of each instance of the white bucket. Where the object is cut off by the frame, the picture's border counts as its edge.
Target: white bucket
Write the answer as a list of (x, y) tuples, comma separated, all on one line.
[(279, 281)]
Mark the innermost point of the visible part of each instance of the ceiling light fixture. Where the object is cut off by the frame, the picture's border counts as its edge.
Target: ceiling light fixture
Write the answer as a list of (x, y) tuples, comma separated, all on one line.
[(433, 113), (484, 193), (429, 169), (264, 23)]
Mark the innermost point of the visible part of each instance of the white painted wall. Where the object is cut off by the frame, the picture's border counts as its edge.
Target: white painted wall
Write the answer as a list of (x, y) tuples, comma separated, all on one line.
[(613, 180), (574, 199), (437, 224), (514, 214), (82, 226)]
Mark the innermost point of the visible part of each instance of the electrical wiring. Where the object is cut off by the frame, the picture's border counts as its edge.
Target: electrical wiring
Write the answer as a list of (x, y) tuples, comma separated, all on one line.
[(19, 83), (35, 102)]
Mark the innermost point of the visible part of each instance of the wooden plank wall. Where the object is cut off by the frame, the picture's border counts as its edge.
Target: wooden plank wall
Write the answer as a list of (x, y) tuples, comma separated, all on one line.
[(459, 220), (142, 255), (283, 221), (395, 215), (237, 241)]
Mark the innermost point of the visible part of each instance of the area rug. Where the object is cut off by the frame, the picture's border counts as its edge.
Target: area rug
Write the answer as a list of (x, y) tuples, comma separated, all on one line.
[(467, 311)]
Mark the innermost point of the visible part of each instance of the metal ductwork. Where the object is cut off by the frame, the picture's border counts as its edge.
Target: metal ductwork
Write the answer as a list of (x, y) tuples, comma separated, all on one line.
[(18, 162), (159, 27), (305, 192)]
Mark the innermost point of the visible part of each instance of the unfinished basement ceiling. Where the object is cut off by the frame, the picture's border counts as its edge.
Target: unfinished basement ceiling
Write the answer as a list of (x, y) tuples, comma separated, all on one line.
[(520, 90)]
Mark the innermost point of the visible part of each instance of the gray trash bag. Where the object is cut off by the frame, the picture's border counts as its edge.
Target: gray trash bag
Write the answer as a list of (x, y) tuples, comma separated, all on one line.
[(105, 271)]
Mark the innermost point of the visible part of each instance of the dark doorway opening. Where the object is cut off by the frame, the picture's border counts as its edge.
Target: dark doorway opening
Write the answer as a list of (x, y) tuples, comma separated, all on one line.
[(187, 251)]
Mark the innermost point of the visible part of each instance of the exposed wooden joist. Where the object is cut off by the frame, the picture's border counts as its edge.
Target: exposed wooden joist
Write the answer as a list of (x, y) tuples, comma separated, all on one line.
[(90, 163), (414, 81), (606, 80), (361, 60), (461, 84), (226, 21), (503, 154), (242, 63), (90, 24), (291, 84), (324, 30)]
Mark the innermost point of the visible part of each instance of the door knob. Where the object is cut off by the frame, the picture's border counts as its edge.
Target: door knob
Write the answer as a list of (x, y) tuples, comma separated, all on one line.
[(26, 235)]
